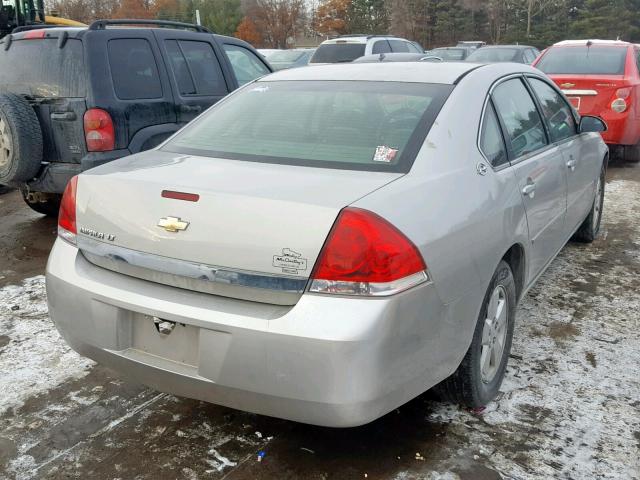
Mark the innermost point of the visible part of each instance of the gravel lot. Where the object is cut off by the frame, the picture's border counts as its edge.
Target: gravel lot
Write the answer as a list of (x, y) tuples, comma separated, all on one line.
[(569, 408)]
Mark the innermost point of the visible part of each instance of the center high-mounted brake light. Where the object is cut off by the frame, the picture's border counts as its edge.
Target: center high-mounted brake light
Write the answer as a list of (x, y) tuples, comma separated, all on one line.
[(98, 130), (367, 256), (67, 228)]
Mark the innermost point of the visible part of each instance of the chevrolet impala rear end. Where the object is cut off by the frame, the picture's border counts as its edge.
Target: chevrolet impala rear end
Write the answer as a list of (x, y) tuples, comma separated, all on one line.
[(323, 245)]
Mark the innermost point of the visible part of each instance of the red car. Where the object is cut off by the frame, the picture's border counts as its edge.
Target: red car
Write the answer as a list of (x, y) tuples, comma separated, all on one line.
[(601, 78)]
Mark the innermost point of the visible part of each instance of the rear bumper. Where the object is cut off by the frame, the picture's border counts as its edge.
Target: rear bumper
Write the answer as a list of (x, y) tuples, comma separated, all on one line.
[(54, 176), (622, 128), (336, 362)]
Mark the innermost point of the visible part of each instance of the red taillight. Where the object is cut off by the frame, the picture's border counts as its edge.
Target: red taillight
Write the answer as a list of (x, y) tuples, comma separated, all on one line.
[(623, 92), (34, 34), (98, 131), (67, 228), (366, 255), (187, 197)]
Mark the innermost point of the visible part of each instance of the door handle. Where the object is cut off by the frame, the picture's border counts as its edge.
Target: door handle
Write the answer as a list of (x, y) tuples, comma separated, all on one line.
[(529, 189), (64, 116), (190, 108), (571, 164)]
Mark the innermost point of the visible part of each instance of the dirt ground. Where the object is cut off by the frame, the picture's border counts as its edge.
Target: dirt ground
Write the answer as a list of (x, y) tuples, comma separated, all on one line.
[(569, 407)]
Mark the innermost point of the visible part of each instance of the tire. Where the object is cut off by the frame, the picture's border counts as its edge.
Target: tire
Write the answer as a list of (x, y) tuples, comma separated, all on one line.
[(589, 229), (20, 140), (631, 153), (472, 385), (48, 206)]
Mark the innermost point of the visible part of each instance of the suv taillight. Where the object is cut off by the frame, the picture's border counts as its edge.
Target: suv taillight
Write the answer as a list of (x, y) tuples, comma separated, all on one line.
[(366, 255), (98, 131), (67, 228)]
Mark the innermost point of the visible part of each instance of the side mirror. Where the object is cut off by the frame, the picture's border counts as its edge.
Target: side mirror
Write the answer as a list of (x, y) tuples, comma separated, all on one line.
[(592, 124)]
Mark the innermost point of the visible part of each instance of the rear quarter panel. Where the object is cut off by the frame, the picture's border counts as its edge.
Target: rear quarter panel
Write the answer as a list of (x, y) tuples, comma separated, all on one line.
[(462, 222)]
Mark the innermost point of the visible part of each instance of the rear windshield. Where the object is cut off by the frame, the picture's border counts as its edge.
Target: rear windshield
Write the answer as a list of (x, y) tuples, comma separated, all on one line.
[(375, 126), (584, 60), (39, 68), (286, 56), (450, 53), (337, 53), (493, 55)]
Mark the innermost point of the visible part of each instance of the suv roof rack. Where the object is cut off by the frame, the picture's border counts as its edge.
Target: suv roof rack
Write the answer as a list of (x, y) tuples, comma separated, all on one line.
[(102, 24), (364, 35), (37, 26)]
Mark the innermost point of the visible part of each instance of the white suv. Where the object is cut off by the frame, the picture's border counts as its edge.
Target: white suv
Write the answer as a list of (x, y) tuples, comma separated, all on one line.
[(347, 48)]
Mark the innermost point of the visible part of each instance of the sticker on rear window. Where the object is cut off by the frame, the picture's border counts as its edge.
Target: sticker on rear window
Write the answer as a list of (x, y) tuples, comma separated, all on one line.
[(260, 89), (385, 154)]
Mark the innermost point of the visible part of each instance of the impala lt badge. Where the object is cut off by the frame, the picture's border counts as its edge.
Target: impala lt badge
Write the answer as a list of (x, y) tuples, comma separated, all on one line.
[(173, 224)]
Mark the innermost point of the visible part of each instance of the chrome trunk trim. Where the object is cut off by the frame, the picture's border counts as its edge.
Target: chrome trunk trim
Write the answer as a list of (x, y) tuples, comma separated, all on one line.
[(244, 285), (581, 93)]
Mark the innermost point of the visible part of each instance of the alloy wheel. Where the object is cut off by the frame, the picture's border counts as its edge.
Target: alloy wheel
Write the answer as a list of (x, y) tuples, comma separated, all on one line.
[(494, 334), (597, 206)]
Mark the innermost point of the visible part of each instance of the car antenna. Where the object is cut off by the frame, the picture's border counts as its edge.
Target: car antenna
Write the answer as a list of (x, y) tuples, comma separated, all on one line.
[(589, 43)]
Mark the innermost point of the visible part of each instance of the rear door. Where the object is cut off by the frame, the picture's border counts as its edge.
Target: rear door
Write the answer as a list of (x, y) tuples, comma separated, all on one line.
[(539, 167), (129, 80), (195, 71)]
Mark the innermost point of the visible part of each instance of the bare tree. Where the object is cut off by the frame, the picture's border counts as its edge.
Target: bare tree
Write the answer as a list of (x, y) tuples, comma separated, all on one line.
[(278, 20)]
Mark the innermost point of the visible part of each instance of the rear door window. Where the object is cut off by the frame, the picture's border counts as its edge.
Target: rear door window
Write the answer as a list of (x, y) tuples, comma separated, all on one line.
[(399, 46), (491, 141), (195, 67), (594, 60), (246, 65), (381, 46), (524, 127), (52, 72), (557, 112), (133, 69)]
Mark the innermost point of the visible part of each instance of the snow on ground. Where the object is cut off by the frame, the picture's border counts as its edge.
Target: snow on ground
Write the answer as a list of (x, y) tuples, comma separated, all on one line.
[(569, 407), (33, 356)]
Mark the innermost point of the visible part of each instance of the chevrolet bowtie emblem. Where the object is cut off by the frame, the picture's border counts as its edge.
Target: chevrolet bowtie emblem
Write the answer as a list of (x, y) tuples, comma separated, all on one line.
[(567, 85), (173, 224)]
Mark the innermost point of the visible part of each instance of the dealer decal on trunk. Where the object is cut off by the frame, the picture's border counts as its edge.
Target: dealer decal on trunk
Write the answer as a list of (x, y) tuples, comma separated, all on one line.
[(290, 261)]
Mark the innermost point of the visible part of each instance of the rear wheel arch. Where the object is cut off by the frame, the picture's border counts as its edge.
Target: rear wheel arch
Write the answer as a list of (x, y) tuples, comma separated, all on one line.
[(516, 259)]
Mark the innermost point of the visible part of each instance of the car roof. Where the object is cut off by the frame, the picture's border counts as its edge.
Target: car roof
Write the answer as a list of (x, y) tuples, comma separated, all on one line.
[(391, 57), (581, 43), (358, 39), (515, 47), (410, 72)]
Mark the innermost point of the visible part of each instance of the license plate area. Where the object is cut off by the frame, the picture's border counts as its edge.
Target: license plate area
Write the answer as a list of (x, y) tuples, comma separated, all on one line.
[(180, 345)]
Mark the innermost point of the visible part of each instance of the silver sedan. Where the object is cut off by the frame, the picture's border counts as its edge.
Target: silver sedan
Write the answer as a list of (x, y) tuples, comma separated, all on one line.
[(327, 243)]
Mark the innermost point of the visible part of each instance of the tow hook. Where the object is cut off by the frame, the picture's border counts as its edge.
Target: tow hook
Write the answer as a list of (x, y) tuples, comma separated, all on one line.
[(164, 327)]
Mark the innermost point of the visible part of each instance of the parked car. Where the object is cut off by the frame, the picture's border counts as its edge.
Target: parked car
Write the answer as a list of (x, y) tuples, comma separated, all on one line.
[(451, 54), (267, 52), (504, 53), (293, 58), (601, 78), (327, 243), (75, 98), (396, 57), (347, 48)]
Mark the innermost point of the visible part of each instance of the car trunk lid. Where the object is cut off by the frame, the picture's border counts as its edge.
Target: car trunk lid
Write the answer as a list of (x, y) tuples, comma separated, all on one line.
[(254, 231), (590, 94)]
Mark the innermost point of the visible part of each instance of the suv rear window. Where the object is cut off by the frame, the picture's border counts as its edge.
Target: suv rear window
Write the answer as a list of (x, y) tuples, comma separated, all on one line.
[(134, 69), (594, 60), (195, 67), (50, 72), (375, 126), (338, 52)]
